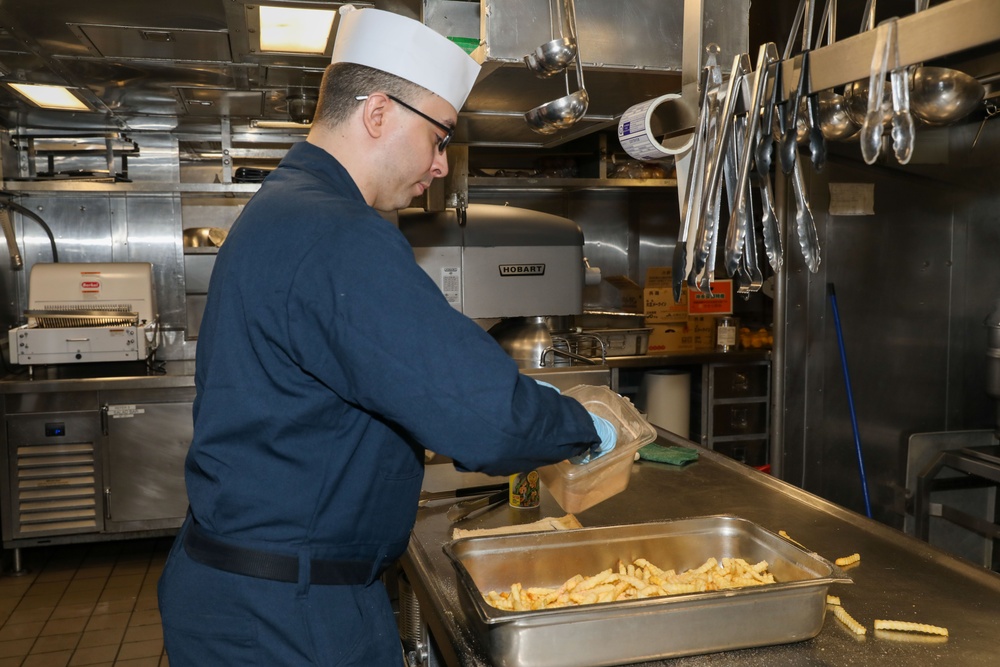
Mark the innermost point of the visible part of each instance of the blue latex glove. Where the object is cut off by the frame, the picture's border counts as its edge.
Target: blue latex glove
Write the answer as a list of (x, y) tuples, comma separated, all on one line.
[(546, 384), (609, 438)]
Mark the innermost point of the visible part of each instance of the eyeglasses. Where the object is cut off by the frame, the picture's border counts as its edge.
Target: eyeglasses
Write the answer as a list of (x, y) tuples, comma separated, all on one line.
[(448, 131)]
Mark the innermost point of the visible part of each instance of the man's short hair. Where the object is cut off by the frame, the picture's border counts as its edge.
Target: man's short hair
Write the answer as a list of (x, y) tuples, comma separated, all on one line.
[(343, 82)]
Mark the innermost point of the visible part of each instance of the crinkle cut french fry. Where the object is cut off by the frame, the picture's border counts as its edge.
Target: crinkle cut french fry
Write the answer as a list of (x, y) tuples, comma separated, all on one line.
[(848, 560), (907, 626), (789, 538), (911, 637), (849, 621), (833, 600), (639, 579), (589, 583)]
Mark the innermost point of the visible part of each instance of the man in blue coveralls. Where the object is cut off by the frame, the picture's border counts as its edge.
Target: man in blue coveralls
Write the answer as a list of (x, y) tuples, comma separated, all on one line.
[(327, 362)]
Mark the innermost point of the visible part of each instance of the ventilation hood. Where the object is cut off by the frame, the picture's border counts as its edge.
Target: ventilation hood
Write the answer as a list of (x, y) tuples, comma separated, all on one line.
[(193, 67)]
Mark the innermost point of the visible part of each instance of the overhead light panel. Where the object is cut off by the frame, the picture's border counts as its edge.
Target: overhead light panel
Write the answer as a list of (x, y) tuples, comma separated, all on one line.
[(279, 125), (50, 97), (295, 30)]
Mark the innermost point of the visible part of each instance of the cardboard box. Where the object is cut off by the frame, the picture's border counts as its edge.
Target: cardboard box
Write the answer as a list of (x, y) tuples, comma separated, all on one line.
[(659, 306), (658, 297), (629, 293), (702, 331), (719, 303), (659, 276), (670, 337)]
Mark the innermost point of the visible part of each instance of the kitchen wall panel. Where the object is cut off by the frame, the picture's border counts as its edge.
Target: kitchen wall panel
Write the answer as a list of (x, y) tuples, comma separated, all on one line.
[(914, 282)]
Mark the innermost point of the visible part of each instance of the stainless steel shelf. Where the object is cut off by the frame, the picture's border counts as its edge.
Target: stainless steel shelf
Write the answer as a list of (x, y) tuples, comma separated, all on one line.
[(479, 183), (144, 187), (528, 183)]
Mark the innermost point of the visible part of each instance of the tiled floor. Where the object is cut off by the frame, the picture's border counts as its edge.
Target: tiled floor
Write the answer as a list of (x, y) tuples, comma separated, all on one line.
[(84, 604)]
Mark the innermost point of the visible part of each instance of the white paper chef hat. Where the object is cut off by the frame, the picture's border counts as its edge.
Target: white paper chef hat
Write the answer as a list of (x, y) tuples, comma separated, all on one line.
[(407, 48)]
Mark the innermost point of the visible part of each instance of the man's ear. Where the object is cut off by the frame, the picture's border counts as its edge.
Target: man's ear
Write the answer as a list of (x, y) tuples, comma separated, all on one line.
[(373, 114)]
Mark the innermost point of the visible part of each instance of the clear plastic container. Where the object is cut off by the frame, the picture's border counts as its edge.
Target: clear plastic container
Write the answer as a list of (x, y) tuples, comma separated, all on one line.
[(580, 487)]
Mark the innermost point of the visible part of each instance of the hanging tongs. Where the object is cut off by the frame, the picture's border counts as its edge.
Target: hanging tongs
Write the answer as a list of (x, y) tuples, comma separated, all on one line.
[(768, 218), (742, 274), (708, 227), (739, 221), (691, 209), (705, 215), (902, 121), (871, 130), (805, 223)]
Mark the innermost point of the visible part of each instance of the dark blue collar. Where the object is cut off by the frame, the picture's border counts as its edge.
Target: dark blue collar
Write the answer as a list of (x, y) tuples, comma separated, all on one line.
[(315, 161)]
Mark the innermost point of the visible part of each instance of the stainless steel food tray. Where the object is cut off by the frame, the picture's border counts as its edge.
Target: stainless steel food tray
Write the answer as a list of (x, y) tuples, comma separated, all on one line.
[(616, 633), (617, 342)]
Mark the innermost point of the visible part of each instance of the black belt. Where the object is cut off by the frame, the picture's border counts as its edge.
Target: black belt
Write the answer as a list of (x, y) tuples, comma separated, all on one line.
[(209, 551)]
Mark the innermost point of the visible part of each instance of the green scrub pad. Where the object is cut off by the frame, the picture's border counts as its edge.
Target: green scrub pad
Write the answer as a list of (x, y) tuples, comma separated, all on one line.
[(671, 454)]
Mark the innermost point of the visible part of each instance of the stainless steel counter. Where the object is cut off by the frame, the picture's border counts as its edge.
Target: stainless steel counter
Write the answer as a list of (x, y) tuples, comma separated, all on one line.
[(97, 377), (94, 476), (688, 358), (77, 377), (898, 578)]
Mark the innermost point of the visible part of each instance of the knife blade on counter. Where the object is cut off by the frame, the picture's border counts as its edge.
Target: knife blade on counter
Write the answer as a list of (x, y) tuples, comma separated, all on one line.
[(427, 496)]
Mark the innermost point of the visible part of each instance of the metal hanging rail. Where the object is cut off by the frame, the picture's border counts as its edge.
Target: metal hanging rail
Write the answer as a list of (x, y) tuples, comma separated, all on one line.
[(940, 31)]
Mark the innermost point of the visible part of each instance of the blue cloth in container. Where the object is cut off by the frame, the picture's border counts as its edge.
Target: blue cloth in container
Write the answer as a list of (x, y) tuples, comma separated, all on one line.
[(609, 438)]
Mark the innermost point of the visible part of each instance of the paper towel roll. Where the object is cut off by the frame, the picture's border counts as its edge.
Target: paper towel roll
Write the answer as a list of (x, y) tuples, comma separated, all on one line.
[(665, 397), (639, 125)]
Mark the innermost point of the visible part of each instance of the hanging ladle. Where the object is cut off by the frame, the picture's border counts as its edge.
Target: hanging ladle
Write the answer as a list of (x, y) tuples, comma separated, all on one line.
[(817, 142), (857, 95), (556, 55), (551, 57), (564, 112), (834, 120), (940, 95)]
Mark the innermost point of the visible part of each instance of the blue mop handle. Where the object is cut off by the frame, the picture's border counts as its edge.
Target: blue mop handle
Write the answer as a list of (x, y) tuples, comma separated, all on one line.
[(850, 396)]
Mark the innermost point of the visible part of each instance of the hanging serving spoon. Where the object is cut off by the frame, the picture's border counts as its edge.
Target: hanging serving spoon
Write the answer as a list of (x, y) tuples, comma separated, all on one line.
[(765, 148), (789, 140), (817, 143)]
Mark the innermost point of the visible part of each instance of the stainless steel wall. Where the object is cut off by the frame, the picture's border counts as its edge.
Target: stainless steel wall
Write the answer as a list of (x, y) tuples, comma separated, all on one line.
[(914, 282), (129, 226)]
